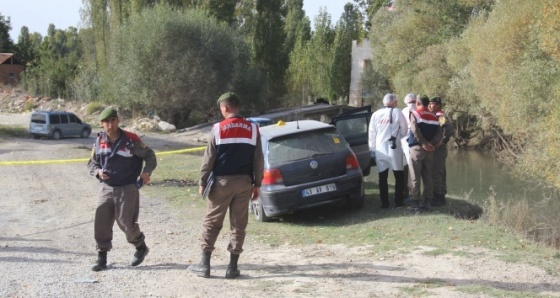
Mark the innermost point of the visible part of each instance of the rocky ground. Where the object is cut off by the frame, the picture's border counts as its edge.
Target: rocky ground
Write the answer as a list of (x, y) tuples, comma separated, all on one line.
[(47, 245)]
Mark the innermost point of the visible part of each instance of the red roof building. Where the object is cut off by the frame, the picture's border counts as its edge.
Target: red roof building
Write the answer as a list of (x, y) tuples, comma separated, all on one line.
[(10, 69)]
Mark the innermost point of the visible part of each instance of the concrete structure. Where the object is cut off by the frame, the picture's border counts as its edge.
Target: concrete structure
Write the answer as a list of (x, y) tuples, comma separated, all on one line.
[(361, 57), (10, 69)]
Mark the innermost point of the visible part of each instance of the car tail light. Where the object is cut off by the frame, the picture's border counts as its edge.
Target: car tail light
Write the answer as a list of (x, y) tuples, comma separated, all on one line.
[(272, 176), (352, 162)]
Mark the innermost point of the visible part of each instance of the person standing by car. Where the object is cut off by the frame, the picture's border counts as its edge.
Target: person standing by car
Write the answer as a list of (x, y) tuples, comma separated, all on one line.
[(386, 127), (410, 105), (440, 154), (234, 161), (425, 135), (116, 161)]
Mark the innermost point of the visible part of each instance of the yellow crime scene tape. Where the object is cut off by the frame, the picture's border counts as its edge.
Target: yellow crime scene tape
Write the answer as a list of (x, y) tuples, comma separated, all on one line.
[(55, 161)]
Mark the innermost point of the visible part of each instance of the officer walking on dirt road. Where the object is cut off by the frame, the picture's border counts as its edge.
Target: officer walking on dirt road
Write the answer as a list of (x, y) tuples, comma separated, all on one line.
[(116, 161)]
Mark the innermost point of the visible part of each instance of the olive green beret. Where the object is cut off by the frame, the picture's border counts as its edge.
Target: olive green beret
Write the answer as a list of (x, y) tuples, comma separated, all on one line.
[(108, 113), (436, 99), (229, 96)]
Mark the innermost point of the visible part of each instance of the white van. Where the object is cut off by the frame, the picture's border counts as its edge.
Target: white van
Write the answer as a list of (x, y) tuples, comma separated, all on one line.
[(56, 125)]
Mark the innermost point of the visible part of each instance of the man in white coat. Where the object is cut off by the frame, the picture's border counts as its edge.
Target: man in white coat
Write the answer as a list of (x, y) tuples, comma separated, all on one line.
[(386, 127)]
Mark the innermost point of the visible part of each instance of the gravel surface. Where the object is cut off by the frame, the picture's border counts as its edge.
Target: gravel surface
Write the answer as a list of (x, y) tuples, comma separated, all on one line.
[(47, 246)]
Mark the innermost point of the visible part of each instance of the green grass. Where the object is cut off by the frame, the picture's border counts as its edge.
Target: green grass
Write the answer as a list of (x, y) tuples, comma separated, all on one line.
[(383, 231), (13, 131)]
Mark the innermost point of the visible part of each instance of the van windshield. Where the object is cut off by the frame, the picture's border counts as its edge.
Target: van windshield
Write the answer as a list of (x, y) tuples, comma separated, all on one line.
[(39, 118)]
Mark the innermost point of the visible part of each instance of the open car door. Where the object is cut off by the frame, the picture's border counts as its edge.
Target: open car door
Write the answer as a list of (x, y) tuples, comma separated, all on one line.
[(353, 126)]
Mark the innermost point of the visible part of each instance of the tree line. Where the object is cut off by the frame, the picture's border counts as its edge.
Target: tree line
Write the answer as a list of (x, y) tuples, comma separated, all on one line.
[(174, 56), (496, 64)]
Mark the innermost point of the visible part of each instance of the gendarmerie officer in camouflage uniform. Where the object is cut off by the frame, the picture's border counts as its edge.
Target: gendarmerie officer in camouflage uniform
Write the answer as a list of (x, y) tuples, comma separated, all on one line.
[(116, 162), (439, 172), (425, 135), (234, 157)]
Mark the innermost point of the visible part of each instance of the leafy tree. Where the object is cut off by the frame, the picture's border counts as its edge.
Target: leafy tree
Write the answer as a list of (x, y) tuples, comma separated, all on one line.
[(221, 10), (267, 43), (299, 72), (55, 65), (320, 54), (348, 28), (369, 8), (177, 64), (297, 24), (310, 69), (28, 45), (6, 43), (410, 42), (374, 86)]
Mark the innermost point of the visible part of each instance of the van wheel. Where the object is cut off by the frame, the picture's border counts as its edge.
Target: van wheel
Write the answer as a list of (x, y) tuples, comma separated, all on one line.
[(36, 137), (56, 135), (258, 210), (85, 133)]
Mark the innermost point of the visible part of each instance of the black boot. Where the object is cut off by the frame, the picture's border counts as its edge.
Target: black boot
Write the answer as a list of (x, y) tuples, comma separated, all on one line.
[(139, 255), (414, 206), (232, 271), (203, 268), (438, 200), (101, 262), (427, 206)]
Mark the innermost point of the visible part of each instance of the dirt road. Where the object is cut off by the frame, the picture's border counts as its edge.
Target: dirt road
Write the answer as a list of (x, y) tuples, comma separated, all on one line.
[(47, 248)]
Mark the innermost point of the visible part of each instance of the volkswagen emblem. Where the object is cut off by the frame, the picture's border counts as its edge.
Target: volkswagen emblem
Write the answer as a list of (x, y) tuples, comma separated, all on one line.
[(314, 164)]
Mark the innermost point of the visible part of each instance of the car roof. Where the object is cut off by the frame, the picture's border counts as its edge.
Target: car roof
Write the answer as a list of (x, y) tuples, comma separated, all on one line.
[(291, 127), (51, 112), (258, 119)]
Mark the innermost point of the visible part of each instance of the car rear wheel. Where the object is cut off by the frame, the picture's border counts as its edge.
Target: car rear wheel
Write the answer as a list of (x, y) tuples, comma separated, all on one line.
[(56, 135), (85, 133), (258, 211)]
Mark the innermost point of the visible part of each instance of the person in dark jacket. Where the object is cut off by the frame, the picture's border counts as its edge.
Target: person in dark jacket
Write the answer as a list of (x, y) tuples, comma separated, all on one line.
[(117, 160), (234, 161)]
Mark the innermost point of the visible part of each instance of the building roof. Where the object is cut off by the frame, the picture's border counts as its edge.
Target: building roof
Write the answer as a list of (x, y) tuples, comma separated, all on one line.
[(7, 56)]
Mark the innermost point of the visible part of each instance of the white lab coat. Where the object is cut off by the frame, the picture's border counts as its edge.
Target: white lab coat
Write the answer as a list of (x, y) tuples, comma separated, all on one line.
[(380, 130), (404, 140)]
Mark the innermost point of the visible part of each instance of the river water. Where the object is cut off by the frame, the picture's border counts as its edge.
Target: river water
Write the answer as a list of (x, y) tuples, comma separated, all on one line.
[(478, 175)]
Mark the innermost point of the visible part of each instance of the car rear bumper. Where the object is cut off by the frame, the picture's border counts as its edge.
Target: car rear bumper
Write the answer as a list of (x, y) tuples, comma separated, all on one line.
[(278, 200)]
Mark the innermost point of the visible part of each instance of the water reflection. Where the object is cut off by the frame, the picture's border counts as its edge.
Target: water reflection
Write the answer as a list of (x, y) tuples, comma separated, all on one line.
[(480, 174)]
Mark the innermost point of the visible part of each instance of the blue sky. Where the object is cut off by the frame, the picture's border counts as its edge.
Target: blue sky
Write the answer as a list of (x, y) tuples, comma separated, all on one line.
[(38, 14)]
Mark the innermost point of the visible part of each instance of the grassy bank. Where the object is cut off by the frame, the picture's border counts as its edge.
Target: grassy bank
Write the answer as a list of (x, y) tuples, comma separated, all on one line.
[(383, 231), (13, 131)]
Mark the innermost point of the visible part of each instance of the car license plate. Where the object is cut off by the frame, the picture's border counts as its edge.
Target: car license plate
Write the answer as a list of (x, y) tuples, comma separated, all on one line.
[(318, 189)]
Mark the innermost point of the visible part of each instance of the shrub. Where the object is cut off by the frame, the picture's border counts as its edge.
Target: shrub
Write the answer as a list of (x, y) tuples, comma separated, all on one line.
[(175, 64), (28, 106), (93, 107)]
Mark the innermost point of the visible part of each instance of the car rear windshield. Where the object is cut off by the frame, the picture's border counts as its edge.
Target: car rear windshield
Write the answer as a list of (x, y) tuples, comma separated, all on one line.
[(39, 118), (305, 145)]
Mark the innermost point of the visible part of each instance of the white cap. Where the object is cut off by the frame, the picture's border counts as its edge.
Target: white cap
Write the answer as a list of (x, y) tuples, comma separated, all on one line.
[(409, 98)]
